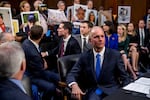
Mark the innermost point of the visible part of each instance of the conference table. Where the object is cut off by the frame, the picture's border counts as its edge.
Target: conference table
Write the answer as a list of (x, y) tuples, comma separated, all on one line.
[(128, 95)]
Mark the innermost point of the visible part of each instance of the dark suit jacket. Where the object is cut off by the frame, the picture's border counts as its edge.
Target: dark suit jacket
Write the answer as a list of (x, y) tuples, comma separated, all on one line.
[(146, 40), (83, 72), (34, 59), (71, 48), (78, 38), (10, 91)]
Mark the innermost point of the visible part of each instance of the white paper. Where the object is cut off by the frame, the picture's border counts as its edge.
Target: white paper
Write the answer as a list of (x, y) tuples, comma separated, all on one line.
[(142, 85)]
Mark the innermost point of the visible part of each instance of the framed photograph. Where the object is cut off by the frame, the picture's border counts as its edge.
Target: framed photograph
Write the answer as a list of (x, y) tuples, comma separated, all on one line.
[(29, 19), (55, 17), (80, 12), (6, 20), (70, 12), (92, 16), (124, 14), (15, 26), (104, 15)]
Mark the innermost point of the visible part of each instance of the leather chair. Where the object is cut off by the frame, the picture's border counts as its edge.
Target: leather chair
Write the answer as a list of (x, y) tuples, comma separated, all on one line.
[(64, 66)]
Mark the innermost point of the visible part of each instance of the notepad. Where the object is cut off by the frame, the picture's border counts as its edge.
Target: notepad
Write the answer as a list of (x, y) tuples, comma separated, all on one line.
[(142, 85)]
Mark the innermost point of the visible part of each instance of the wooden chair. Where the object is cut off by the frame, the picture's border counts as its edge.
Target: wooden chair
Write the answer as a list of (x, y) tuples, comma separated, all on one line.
[(64, 66)]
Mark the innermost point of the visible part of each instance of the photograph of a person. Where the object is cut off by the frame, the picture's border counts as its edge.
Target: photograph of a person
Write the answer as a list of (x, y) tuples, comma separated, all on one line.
[(124, 14), (5, 20), (29, 19), (92, 16), (80, 12)]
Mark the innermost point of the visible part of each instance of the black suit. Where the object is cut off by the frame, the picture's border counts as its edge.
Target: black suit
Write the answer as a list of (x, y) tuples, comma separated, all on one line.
[(112, 69), (10, 91), (44, 79), (71, 48)]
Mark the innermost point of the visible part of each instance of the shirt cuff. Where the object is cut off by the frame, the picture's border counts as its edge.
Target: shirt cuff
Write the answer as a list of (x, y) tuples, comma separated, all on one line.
[(72, 84), (46, 53)]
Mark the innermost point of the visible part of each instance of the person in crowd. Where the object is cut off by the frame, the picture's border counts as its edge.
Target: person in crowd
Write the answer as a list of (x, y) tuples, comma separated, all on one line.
[(123, 43), (6, 37), (133, 47), (76, 1), (12, 71), (146, 18), (68, 45), (36, 4), (110, 37), (89, 4), (143, 42), (24, 7), (21, 36), (83, 37), (97, 71), (61, 5), (36, 65)]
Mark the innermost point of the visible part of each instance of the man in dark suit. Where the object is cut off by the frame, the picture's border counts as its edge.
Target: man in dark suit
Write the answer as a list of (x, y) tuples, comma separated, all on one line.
[(97, 77), (143, 42), (36, 65), (12, 67), (83, 37), (68, 45)]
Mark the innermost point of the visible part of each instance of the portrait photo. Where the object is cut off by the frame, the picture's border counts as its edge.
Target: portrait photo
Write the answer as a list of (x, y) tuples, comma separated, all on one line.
[(80, 12), (29, 19), (6, 20), (92, 16), (124, 14)]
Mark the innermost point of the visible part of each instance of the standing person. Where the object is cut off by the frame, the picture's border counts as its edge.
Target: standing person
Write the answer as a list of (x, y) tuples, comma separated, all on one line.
[(110, 37), (36, 65), (12, 71), (83, 37), (99, 75), (123, 43), (146, 18), (133, 47)]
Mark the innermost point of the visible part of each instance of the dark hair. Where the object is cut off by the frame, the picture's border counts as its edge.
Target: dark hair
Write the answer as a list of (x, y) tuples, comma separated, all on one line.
[(68, 25), (90, 25), (110, 25), (36, 32), (1, 15)]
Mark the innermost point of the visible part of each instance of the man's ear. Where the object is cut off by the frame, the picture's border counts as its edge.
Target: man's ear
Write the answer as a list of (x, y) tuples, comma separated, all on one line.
[(23, 65)]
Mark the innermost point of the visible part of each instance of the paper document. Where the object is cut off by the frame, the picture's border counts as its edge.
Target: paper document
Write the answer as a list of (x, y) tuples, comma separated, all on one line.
[(142, 85)]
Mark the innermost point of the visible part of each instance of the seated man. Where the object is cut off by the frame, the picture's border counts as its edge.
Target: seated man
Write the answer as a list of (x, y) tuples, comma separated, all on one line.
[(97, 71), (37, 66), (12, 71)]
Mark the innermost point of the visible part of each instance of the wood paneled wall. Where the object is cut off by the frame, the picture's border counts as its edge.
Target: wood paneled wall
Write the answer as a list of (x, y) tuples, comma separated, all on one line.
[(138, 7)]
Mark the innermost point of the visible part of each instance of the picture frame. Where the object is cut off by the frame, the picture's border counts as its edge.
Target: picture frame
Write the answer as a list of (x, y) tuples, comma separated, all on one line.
[(124, 14), (15, 26), (29, 19), (6, 22)]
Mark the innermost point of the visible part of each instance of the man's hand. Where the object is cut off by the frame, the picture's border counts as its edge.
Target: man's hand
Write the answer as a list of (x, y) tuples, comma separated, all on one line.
[(76, 91)]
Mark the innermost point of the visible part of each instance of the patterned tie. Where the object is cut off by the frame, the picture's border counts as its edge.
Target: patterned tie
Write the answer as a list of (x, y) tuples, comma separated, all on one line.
[(142, 38), (62, 49), (98, 65)]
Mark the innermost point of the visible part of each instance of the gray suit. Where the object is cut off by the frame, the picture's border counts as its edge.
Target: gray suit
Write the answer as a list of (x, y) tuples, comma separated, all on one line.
[(79, 39)]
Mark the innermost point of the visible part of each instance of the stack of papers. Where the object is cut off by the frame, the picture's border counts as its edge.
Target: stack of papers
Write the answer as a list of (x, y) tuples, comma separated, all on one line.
[(142, 85)]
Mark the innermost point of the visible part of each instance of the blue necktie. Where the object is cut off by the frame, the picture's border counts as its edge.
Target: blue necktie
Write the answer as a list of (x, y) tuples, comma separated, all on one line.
[(98, 67), (98, 91)]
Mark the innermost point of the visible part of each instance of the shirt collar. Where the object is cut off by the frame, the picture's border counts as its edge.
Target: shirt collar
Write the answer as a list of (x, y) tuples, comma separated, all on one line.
[(67, 39), (36, 45), (19, 84), (101, 53), (87, 37)]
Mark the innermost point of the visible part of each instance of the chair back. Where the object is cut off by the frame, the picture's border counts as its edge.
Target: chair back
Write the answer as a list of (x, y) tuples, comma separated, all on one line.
[(65, 64)]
